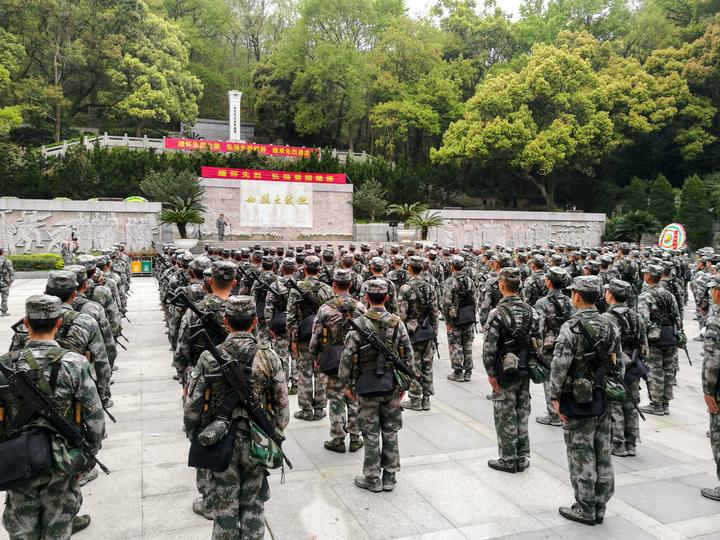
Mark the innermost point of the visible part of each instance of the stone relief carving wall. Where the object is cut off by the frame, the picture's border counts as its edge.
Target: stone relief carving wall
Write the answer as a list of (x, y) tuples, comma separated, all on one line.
[(518, 228), (39, 226)]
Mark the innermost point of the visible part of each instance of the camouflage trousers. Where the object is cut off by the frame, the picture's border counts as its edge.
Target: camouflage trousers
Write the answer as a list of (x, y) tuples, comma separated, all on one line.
[(661, 363), (512, 410), (424, 355), (238, 496), (203, 484), (43, 509), (625, 418), (4, 293), (715, 440), (380, 417), (281, 345), (460, 341), (342, 410), (263, 332), (310, 397), (589, 452)]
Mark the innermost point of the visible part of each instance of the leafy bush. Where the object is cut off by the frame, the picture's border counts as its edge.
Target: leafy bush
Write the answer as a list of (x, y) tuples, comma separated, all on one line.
[(42, 261)]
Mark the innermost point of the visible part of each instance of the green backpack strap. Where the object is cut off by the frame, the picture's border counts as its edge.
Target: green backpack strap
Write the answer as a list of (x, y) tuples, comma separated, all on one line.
[(48, 387)]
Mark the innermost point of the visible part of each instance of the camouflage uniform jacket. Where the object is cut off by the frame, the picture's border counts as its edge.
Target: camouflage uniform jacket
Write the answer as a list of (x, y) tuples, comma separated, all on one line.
[(297, 308), (391, 304), (326, 273), (437, 270), (103, 296), (534, 287), (187, 349), (359, 355), (489, 296), (268, 277), (630, 326), (7, 272), (74, 383), (417, 300), (267, 382), (399, 277), (673, 287), (456, 285), (276, 299), (82, 305), (570, 347), (657, 307), (524, 318), (711, 360), (355, 284), (553, 309), (329, 328)]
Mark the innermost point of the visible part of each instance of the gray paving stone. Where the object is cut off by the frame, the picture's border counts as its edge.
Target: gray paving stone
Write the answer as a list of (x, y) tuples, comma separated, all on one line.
[(614, 528), (447, 434)]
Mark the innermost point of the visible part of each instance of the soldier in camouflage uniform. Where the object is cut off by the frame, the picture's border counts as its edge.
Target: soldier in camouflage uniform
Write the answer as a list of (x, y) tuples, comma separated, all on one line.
[(588, 439), (398, 275), (553, 309), (505, 360), (329, 331), (375, 268), (458, 297), (7, 276), (276, 317), (711, 378), (490, 293), (626, 420), (259, 292), (346, 261), (534, 287), (418, 306), (380, 416), (661, 316), (238, 493), (300, 314), (104, 267), (101, 294), (46, 507), (328, 266)]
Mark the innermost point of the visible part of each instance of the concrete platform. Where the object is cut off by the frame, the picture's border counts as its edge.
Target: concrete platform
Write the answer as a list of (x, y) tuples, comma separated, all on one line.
[(444, 491)]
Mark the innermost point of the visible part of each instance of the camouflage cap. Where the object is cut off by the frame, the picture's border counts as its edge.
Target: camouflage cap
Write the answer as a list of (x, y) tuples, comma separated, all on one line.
[(268, 261), (618, 287), (415, 261), (457, 261), (538, 260), (586, 284), (198, 264), (43, 306), (312, 262), (224, 270), (558, 276), (88, 261), (62, 280), (606, 259), (187, 258), (378, 286), (714, 283), (342, 275), (79, 271), (653, 270), (103, 261), (398, 259), (289, 264), (509, 272), (240, 306), (377, 263), (347, 259)]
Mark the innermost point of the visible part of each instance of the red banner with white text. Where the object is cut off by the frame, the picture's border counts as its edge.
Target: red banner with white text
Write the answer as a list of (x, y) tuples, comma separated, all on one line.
[(226, 173), (227, 146)]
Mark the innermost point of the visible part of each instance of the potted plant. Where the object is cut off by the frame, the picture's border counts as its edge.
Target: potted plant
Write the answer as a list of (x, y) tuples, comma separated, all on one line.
[(180, 212), (425, 222)]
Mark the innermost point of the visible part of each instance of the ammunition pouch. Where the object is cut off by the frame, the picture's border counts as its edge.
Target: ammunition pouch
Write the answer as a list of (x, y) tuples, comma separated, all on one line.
[(465, 316), (260, 310), (424, 332), (277, 323), (25, 458), (376, 380), (330, 360), (217, 456), (305, 328), (571, 408)]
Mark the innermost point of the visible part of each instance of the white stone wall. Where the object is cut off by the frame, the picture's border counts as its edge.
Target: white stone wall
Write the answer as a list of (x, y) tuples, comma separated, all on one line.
[(45, 226), (513, 229), (332, 216)]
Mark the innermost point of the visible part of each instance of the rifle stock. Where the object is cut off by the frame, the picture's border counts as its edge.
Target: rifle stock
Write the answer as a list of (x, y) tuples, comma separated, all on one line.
[(391, 356)]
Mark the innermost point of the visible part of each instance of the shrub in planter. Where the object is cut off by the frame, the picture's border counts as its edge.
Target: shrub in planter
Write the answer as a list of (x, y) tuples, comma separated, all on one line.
[(40, 261)]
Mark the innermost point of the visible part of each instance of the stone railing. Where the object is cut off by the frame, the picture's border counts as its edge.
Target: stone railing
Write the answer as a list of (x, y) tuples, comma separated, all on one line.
[(143, 143)]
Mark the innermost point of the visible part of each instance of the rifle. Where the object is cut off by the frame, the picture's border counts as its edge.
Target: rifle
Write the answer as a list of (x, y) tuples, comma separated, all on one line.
[(596, 346), (684, 348), (237, 378), (126, 318), (122, 336), (41, 404), (252, 276), (381, 347), (117, 342), (306, 296), (206, 320)]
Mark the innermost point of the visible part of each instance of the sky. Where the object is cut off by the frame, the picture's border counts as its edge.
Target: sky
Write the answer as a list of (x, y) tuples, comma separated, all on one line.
[(419, 8)]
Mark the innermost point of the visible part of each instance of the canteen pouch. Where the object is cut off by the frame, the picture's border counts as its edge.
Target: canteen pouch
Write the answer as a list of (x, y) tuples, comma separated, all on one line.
[(305, 328), (582, 390), (424, 332), (263, 450), (466, 315), (260, 311), (330, 360), (25, 457), (215, 458), (277, 323), (68, 460), (372, 384), (510, 363), (653, 333), (214, 432), (538, 372), (402, 380), (614, 390), (572, 409)]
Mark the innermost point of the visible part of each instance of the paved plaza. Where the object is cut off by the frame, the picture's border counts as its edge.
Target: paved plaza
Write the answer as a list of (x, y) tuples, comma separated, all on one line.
[(445, 489)]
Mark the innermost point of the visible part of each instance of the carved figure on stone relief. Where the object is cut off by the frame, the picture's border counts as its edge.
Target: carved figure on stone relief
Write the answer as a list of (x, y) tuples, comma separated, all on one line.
[(131, 234), (146, 232), (62, 234), (30, 230), (84, 232), (110, 232), (7, 233)]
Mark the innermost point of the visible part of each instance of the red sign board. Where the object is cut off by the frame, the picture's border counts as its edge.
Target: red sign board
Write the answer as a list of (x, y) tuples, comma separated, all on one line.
[(227, 146), (271, 176)]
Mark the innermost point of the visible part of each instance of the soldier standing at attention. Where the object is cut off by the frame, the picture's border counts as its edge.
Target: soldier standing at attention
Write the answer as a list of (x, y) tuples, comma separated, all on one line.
[(534, 287), (276, 318), (7, 276), (326, 344), (458, 307), (380, 413), (221, 223), (582, 407), (46, 507), (505, 356), (711, 378), (418, 309), (239, 492)]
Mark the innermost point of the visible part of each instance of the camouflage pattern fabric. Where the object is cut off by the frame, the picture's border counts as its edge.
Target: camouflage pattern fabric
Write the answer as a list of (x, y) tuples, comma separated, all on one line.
[(7, 276), (460, 338), (711, 376), (103, 296), (82, 305)]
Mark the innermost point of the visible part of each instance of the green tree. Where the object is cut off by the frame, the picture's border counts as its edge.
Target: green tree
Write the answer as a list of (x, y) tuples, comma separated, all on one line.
[(694, 212), (10, 54), (162, 186), (406, 211), (635, 195), (180, 212), (425, 222), (633, 225), (662, 200), (370, 198)]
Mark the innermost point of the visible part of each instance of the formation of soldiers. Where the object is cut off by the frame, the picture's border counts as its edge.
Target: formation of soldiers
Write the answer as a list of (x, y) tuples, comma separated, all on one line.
[(67, 344), (352, 331)]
